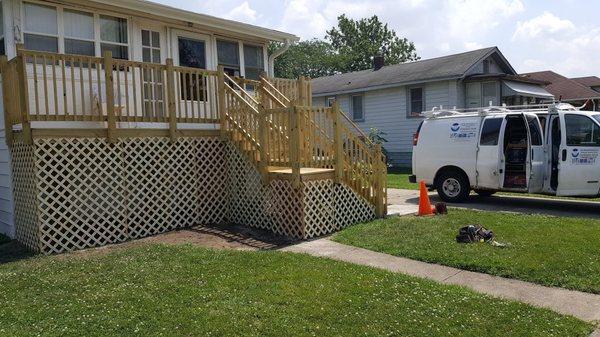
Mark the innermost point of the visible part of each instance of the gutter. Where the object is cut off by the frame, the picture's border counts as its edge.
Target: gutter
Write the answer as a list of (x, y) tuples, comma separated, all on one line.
[(286, 45)]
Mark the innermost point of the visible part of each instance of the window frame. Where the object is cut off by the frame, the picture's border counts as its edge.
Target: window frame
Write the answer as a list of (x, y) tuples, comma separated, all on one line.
[(60, 8), (485, 123), (329, 101), (243, 58), (25, 32), (362, 100), (566, 130), (240, 49), (409, 100)]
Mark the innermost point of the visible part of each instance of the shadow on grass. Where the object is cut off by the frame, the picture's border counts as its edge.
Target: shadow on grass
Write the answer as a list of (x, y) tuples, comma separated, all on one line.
[(13, 251)]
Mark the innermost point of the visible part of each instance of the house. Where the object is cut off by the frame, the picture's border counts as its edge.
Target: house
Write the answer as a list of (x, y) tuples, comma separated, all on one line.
[(390, 98), (579, 92), (126, 118), (592, 82)]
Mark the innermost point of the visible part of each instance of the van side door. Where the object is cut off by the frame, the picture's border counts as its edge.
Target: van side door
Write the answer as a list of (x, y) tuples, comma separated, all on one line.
[(579, 162), (537, 161), (489, 152)]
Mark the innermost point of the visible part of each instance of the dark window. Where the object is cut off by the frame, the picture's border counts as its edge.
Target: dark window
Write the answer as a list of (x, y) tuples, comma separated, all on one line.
[(543, 124), (416, 101), (228, 54), (582, 131), (330, 101), (253, 62), (534, 129), (192, 53), (358, 113), (491, 131)]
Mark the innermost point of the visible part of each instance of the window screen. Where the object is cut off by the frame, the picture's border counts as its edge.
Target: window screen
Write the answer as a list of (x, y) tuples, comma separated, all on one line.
[(416, 101), (491, 131), (253, 62), (582, 131), (357, 108), (113, 34), (79, 33), (41, 28)]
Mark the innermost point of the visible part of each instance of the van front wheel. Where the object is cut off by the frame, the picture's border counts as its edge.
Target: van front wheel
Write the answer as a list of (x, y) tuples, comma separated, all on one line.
[(453, 187)]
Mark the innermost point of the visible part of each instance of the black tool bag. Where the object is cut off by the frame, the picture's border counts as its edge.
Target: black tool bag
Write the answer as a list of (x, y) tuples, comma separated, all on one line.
[(474, 233)]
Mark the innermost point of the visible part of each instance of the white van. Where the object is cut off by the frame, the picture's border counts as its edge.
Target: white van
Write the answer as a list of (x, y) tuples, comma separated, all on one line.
[(549, 149)]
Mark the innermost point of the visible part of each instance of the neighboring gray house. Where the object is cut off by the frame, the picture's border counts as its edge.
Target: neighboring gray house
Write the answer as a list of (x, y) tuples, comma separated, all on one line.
[(390, 98)]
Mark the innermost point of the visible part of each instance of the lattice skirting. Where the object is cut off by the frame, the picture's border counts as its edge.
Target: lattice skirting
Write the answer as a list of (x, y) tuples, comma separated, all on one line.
[(317, 208), (75, 193)]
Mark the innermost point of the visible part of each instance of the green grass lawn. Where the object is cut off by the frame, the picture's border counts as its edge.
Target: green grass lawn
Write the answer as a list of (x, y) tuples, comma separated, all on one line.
[(553, 251), (187, 291), (399, 179)]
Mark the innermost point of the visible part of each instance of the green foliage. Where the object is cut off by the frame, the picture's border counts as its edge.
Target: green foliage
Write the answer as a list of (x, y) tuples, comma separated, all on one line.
[(358, 41), (313, 58), (348, 47), (553, 251), (377, 136), (156, 290)]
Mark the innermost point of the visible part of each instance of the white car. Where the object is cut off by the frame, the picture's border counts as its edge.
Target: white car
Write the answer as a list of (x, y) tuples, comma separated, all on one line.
[(551, 150)]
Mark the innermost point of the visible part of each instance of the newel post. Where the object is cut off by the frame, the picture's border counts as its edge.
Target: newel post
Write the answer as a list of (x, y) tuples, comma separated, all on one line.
[(7, 100), (301, 91), (294, 114), (222, 101), (338, 142), (171, 108), (110, 97), (24, 97), (380, 175)]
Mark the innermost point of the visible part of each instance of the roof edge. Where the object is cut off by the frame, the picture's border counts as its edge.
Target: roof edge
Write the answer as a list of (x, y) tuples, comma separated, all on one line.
[(386, 86)]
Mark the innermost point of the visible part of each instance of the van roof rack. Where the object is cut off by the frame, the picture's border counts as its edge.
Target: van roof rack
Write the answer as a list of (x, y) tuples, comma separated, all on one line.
[(441, 112)]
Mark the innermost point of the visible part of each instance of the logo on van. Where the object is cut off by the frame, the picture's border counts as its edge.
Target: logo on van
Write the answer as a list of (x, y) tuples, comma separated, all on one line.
[(575, 153), (455, 127)]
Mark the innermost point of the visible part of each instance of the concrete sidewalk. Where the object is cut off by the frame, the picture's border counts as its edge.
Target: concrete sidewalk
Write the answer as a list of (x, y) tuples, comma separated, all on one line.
[(584, 306)]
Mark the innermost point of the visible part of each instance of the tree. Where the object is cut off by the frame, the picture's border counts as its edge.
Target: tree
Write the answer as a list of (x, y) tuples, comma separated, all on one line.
[(356, 42), (313, 58)]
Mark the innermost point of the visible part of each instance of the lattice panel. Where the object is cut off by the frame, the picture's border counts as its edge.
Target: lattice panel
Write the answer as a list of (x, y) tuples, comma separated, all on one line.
[(329, 207), (213, 194), (25, 193), (81, 195)]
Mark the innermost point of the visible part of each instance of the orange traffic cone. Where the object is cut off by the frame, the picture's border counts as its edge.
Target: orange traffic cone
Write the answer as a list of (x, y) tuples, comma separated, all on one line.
[(424, 202)]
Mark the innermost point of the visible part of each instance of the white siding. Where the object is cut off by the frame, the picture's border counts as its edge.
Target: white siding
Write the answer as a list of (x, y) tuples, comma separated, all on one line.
[(6, 196)]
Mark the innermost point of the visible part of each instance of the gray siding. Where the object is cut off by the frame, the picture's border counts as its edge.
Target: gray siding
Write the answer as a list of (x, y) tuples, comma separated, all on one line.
[(385, 110), (6, 196)]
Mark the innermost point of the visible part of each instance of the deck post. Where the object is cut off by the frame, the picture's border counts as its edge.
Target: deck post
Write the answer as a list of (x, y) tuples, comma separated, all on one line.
[(171, 99), (295, 145), (24, 97), (263, 143), (301, 94), (379, 182), (338, 142), (110, 97), (7, 99), (222, 101)]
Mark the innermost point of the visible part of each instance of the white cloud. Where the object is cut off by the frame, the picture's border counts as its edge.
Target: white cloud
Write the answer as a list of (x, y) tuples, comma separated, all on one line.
[(474, 18), (243, 13), (473, 45), (303, 18), (542, 25)]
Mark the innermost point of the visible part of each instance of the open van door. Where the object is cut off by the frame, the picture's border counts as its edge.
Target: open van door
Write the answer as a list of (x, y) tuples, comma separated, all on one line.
[(537, 159), (579, 162), (489, 152)]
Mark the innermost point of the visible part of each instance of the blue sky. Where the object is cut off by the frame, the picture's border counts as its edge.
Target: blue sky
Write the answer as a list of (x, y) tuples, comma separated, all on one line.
[(559, 35)]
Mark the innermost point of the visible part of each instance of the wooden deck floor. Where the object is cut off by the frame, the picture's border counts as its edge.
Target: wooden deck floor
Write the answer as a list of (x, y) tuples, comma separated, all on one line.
[(306, 173)]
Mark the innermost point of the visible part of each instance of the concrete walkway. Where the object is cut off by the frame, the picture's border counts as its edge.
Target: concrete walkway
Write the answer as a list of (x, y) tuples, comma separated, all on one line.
[(584, 306)]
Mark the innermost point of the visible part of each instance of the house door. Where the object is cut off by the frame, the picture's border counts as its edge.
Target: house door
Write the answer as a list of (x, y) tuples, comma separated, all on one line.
[(195, 91)]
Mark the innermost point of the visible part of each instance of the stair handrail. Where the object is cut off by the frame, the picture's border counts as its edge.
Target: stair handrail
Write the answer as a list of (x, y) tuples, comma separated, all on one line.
[(239, 88), (266, 82)]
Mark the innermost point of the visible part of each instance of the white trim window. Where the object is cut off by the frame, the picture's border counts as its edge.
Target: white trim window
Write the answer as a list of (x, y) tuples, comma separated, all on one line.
[(357, 107), (416, 101), (153, 95), (113, 36), (79, 32), (253, 62), (60, 29), (40, 27)]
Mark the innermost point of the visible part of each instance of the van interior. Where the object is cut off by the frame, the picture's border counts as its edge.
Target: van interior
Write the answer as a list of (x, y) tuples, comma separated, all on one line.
[(515, 153)]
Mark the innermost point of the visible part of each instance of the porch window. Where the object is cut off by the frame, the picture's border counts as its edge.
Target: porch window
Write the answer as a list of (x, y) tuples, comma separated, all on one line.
[(358, 111), (113, 36), (229, 57), (253, 62), (79, 33), (41, 28), (489, 92), (416, 102)]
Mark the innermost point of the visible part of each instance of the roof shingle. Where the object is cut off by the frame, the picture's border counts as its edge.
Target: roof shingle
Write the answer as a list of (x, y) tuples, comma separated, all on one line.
[(561, 86)]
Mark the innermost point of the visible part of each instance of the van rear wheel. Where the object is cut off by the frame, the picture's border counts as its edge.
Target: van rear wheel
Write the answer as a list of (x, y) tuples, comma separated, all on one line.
[(453, 186)]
